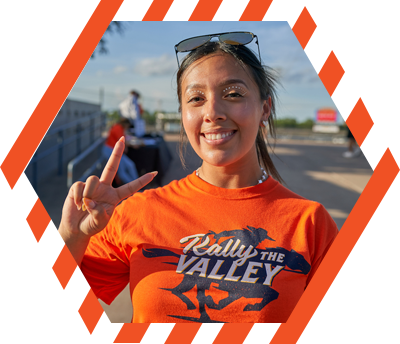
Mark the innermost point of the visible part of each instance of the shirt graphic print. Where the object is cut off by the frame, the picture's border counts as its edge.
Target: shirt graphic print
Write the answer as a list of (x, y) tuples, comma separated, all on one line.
[(233, 261)]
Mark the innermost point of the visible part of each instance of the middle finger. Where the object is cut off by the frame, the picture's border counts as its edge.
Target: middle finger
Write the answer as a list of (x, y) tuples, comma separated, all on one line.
[(90, 187)]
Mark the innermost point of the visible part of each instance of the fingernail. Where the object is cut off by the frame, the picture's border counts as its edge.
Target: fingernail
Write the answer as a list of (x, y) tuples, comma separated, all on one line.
[(90, 204), (83, 207), (154, 173), (78, 207)]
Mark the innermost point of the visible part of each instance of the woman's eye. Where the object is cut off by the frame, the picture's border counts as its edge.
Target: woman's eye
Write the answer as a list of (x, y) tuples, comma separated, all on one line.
[(195, 99), (234, 95)]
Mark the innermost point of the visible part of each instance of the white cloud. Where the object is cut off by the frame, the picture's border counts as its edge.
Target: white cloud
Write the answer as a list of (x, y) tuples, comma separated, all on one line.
[(301, 76), (119, 69), (157, 66)]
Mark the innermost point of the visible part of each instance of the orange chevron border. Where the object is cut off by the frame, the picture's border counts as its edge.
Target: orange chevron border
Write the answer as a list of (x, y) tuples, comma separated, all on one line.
[(359, 122), (157, 10), (330, 74), (304, 28), (205, 10), (64, 266), (131, 333), (38, 219), (255, 10), (183, 333), (91, 311)]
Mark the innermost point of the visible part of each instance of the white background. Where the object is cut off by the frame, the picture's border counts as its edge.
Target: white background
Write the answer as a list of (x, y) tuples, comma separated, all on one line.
[(363, 302)]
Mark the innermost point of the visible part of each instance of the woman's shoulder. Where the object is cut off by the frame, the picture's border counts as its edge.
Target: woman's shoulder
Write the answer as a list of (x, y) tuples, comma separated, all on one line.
[(292, 200)]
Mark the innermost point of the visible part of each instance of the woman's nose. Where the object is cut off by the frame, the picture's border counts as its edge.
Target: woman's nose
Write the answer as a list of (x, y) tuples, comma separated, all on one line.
[(214, 111)]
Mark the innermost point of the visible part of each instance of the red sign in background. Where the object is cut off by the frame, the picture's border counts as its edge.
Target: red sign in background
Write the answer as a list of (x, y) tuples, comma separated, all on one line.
[(326, 115)]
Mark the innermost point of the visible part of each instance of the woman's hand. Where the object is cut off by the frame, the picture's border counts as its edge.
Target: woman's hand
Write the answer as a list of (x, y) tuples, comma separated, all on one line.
[(100, 199)]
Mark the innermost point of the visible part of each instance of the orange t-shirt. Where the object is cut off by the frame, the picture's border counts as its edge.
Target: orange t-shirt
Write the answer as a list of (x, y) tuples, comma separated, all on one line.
[(193, 252), (116, 132)]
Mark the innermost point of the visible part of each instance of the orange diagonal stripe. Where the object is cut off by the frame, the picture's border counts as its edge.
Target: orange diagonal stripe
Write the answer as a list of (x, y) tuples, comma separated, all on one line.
[(64, 266), (131, 333), (255, 10), (331, 73), (233, 333), (157, 10), (91, 311), (304, 27), (359, 122), (38, 219), (378, 185), (45, 112), (205, 10), (183, 333)]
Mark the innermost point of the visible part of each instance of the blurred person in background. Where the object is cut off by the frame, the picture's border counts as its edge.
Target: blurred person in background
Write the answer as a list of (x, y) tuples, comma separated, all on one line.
[(130, 107), (126, 169), (353, 150)]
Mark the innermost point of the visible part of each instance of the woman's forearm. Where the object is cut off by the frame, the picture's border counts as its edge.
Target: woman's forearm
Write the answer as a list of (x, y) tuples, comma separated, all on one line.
[(76, 243)]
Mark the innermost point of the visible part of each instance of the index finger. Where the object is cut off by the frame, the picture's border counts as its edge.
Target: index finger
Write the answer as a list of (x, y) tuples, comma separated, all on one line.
[(111, 168)]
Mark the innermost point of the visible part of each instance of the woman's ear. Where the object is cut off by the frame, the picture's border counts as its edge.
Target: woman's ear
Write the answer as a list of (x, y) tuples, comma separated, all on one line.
[(266, 109)]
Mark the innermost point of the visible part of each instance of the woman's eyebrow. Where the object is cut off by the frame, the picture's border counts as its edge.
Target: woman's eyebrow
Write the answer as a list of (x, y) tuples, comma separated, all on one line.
[(188, 87), (222, 84), (233, 81)]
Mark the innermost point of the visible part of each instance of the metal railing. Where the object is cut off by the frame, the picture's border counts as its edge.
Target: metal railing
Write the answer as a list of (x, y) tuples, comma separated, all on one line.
[(75, 172), (60, 133)]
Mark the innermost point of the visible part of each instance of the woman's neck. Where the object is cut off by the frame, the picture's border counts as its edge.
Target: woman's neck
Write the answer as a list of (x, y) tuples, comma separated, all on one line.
[(234, 176)]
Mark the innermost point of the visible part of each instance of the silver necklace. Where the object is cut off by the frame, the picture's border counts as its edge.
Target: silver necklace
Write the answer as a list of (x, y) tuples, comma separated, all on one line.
[(263, 177)]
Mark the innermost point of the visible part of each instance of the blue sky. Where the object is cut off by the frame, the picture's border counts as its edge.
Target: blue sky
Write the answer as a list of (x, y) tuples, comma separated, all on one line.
[(143, 58)]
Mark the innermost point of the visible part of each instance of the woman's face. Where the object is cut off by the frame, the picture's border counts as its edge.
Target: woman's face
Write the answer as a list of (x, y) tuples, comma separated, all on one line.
[(222, 110)]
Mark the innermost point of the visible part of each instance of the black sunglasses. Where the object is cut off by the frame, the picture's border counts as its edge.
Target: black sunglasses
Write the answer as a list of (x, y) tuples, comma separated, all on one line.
[(232, 38)]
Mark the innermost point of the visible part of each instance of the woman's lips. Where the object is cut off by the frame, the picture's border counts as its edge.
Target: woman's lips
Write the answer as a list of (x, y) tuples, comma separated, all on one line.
[(218, 137)]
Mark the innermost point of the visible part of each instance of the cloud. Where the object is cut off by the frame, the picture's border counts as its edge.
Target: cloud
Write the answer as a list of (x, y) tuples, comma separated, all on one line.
[(301, 76), (157, 66), (119, 69)]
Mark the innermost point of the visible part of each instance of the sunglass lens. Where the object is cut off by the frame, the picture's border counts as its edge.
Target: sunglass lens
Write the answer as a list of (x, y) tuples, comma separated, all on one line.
[(192, 43), (236, 38)]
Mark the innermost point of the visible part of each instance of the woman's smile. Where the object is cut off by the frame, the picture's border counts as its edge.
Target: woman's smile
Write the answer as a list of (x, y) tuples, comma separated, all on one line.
[(217, 137)]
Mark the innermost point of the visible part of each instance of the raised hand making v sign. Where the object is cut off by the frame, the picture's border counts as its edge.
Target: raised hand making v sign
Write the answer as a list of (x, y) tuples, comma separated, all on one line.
[(100, 199)]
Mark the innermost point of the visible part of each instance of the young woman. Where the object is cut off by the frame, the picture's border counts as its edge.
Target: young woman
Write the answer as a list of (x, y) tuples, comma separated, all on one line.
[(228, 243)]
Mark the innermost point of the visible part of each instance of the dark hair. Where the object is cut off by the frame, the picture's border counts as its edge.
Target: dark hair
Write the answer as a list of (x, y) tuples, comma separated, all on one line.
[(124, 121), (263, 76)]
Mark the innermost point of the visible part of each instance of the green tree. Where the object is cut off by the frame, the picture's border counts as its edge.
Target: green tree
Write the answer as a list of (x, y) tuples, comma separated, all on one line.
[(115, 26), (286, 123), (307, 124)]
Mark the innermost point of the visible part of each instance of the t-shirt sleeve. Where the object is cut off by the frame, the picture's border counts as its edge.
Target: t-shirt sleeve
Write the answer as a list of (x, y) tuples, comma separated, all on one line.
[(106, 262), (323, 234)]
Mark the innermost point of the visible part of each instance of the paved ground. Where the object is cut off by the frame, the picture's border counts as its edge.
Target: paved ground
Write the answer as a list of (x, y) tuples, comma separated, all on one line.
[(314, 169)]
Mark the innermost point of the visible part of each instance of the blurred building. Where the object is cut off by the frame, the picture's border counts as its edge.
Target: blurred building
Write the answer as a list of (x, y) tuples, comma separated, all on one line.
[(77, 125)]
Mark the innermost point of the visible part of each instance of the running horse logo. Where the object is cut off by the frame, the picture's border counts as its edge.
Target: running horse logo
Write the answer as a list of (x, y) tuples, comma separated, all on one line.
[(228, 273)]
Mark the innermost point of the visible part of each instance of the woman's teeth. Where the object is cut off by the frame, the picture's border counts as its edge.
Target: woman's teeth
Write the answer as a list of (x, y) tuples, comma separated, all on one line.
[(217, 136)]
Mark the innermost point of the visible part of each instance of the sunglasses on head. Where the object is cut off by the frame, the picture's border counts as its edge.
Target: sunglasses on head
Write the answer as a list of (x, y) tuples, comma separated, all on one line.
[(232, 38)]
